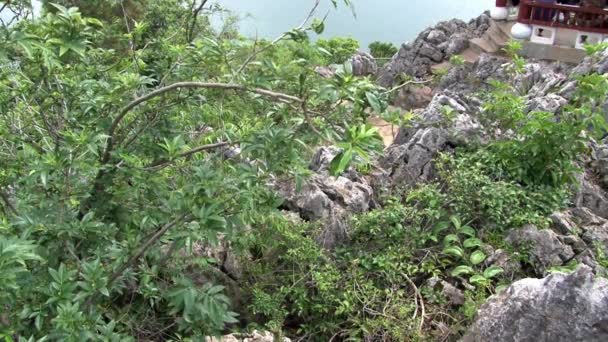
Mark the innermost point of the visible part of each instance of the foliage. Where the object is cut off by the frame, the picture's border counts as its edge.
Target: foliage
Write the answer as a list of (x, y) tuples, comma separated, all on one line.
[(382, 49), (512, 50), (338, 50), (357, 145), (595, 49), (543, 150), (482, 195), (123, 199), (137, 149), (457, 60)]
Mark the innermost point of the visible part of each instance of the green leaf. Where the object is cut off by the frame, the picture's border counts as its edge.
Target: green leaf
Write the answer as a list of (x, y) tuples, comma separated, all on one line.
[(462, 270), (441, 226), (318, 26), (477, 279), (454, 250), (456, 222), (450, 239), (373, 101), (341, 162), (468, 231), (492, 272), (472, 243), (477, 257)]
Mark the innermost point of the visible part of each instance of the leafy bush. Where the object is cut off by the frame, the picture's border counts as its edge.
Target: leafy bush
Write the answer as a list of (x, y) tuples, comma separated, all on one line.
[(480, 194), (382, 49), (338, 50), (543, 148)]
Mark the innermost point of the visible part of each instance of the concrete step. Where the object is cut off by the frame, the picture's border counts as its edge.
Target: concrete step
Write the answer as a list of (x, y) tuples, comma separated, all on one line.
[(505, 27), (483, 45), (500, 29), (553, 53), (499, 40)]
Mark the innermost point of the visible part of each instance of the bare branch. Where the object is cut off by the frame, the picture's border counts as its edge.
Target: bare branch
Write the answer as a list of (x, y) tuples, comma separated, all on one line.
[(418, 295), (278, 39), (190, 35), (280, 97), (407, 83)]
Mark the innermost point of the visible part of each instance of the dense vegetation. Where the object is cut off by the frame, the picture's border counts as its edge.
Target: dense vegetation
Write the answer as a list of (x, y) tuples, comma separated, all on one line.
[(135, 143)]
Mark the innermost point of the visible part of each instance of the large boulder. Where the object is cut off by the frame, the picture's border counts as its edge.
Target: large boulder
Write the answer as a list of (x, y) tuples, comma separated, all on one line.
[(558, 308), (413, 97), (411, 162)]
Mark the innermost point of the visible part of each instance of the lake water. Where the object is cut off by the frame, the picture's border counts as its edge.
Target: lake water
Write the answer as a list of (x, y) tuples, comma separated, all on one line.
[(396, 21)]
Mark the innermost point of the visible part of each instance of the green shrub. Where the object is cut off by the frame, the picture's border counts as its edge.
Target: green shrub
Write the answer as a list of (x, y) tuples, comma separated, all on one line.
[(338, 50), (481, 194), (382, 49)]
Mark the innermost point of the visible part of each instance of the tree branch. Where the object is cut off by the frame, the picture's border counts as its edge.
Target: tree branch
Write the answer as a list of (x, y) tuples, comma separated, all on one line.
[(195, 14), (280, 97), (407, 83), (7, 202), (144, 248), (278, 39), (186, 154)]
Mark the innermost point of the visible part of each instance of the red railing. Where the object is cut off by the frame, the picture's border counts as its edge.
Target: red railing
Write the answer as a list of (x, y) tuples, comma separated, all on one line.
[(586, 19)]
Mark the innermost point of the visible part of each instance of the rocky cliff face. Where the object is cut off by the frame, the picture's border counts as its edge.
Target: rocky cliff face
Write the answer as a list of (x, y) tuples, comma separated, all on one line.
[(434, 45), (559, 307)]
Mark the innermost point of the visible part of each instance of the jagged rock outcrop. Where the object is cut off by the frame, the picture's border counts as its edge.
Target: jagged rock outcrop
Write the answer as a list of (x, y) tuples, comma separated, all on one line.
[(544, 247), (560, 307), (591, 195), (575, 235), (363, 64), (432, 46), (410, 158), (327, 199), (551, 103), (600, 163)]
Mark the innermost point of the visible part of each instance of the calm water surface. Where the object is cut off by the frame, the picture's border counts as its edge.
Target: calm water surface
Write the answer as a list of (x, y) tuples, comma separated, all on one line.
[(397, 21)]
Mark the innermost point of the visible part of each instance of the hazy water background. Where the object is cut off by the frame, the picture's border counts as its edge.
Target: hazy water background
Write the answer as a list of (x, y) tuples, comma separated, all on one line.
[(397, 21)]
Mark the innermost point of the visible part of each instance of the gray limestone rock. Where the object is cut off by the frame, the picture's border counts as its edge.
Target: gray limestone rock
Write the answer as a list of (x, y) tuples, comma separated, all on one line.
[(551, 103), (432, 46), (413, 97), (322, 158), (558, 308), (329, 200), (412, 162), (255, 336), (592, 197), (543, 246), (363, 64)]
